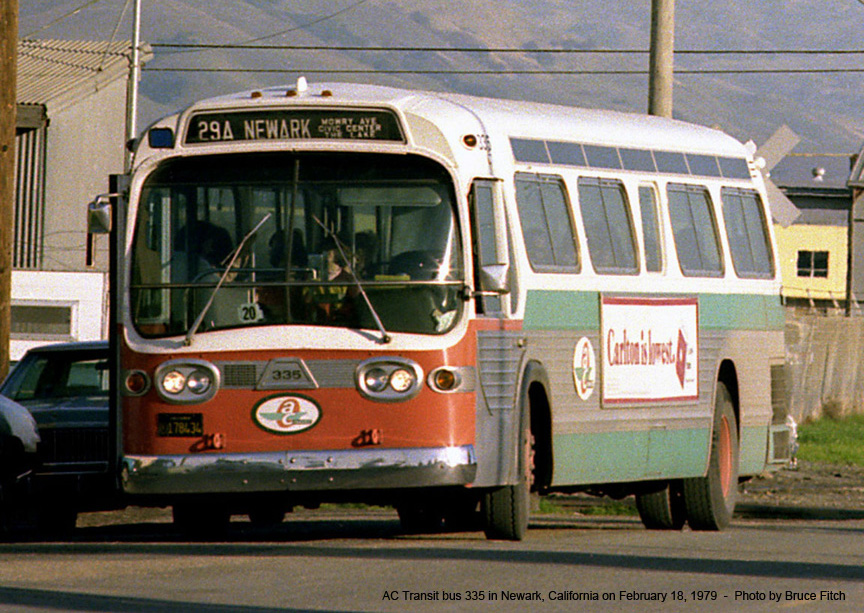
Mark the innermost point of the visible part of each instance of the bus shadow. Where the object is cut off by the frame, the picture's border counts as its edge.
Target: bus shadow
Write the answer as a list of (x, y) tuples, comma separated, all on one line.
[(57, 600), (382, 539)]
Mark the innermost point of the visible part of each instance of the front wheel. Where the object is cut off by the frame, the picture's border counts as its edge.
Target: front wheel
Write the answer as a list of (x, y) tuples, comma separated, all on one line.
[(506, 509), (710, 500), (199, 520)]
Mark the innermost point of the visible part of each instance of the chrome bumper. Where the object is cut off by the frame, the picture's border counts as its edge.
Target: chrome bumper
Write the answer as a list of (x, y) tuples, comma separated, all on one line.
[(298, 471)]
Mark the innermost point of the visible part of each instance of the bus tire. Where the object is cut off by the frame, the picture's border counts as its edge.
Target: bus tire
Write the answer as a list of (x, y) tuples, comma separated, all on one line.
[(663, 509), (420, 515), (710, 500), (266, 517), (506, 509), (201, 520)]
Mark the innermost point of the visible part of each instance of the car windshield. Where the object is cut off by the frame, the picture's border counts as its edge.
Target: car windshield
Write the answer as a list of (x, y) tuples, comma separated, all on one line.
[(313, 225), (46, 376)]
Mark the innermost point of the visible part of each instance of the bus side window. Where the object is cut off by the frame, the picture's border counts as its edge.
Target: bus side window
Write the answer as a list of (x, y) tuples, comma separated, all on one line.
[(695, 230), (650, 228), (747, 232), (608, 226), (547, 227)]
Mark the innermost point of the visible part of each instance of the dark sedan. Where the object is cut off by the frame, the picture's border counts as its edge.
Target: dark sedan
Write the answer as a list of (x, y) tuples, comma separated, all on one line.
[(65, 388)]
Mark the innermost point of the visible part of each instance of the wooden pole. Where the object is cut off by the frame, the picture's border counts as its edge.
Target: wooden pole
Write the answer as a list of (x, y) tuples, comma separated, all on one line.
[(661, 58), (8, 105)]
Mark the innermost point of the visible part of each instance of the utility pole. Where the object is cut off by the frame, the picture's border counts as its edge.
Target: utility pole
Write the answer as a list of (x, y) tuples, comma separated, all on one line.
[(132, 85), (8, 106), (661, 59)]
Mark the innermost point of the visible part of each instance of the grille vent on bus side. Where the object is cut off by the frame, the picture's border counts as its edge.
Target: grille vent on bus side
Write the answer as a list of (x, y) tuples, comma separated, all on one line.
[(240, 374), (498, 358), (781, 446), (326, 373), (779, 394)]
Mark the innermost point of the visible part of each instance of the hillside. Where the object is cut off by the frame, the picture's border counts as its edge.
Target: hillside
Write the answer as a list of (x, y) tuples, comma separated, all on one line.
[(823, 109)]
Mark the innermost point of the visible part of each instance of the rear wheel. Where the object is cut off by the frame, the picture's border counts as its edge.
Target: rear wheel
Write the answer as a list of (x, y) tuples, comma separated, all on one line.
[(663, 509), (710, 500), (201, 520), (267, 517), (506, 509)]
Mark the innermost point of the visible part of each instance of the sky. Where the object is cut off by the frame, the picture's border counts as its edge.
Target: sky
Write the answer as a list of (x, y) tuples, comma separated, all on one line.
[(824, 109)]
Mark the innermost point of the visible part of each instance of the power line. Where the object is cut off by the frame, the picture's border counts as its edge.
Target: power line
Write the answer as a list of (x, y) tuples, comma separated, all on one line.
[(416, 49), (592, 71), (306, 25), (74, 11), (251, 43)]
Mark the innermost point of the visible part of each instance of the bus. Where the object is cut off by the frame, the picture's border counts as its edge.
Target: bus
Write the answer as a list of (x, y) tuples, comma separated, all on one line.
[(443, 303)]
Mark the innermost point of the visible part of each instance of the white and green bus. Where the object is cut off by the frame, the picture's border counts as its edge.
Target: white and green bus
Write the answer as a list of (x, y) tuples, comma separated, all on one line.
[(443, 303)]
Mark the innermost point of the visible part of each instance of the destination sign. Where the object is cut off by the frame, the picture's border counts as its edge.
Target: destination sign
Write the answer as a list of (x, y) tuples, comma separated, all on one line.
[(293, 124)]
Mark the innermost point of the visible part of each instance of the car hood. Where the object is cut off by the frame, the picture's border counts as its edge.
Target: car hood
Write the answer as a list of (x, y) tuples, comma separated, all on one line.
[(80, 412)]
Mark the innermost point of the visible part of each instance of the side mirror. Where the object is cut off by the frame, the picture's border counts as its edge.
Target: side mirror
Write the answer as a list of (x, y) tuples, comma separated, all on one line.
[(495, 279), (99, 215)]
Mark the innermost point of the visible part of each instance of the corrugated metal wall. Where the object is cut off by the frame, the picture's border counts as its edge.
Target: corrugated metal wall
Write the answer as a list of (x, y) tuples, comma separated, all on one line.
[(825, 364), (29, 213)]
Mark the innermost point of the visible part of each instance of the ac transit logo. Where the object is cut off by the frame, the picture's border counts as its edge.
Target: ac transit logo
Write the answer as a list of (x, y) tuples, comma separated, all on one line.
[(286, 414), (584, 368)]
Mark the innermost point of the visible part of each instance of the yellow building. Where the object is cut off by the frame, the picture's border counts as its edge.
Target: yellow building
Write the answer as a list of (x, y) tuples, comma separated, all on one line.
[(813, 261), (813, 251)]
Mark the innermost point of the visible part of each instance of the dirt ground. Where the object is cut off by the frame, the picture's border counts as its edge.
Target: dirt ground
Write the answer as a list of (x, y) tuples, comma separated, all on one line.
[(810, 490)]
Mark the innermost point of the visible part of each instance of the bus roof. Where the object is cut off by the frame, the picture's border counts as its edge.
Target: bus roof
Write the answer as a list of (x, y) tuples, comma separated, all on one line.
[(508, 118)]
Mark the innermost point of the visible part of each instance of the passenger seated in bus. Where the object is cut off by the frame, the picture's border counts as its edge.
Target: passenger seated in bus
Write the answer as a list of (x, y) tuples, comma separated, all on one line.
[(365, 252), (210, 242), (214, 247), (274, 299), (332, 303)]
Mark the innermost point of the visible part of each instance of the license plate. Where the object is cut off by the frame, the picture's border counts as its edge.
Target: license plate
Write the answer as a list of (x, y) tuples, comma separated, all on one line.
[(180, 424)]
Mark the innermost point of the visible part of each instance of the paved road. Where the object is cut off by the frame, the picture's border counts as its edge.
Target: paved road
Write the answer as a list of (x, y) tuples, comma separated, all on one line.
[(360, 561)]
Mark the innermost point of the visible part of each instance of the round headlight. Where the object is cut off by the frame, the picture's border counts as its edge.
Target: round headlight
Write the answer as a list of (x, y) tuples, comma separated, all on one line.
[(375, 380), (173, 382), (199, 382), (402, 380)]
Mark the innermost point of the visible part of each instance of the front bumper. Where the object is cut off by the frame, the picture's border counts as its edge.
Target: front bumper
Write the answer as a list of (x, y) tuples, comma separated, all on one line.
[(302, 471)]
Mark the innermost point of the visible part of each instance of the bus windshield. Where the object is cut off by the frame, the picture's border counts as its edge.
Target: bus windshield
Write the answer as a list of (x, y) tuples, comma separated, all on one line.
[(329, 222)]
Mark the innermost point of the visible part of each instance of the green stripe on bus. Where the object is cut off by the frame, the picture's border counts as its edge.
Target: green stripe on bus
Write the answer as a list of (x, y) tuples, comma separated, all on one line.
[(563, 310), (610, 457), (753, 449), (741, 312), (559, 310)]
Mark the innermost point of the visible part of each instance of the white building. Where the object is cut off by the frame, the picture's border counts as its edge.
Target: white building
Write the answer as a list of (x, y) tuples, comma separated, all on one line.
[(70, 134)]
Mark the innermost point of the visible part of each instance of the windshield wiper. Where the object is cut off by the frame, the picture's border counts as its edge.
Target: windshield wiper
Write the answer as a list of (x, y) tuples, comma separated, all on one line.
[(194, 329), (385, 338)]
